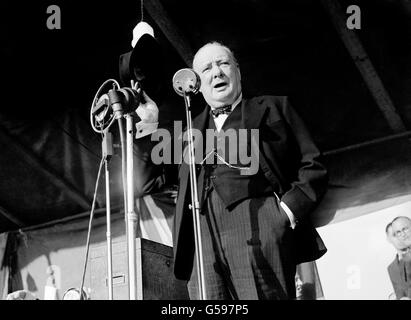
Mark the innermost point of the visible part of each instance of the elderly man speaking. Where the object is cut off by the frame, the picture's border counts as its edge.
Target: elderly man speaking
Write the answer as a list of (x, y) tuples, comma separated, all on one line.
[(255, 227)]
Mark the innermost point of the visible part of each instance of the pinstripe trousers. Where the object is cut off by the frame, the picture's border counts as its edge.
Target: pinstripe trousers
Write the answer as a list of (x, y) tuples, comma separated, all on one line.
[(247, 252)]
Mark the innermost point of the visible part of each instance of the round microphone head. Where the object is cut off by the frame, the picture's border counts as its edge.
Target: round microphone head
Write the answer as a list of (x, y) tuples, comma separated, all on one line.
[(186, 81)]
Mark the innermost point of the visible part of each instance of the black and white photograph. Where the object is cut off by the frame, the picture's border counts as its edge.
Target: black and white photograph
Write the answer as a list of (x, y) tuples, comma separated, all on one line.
[(219, 150)]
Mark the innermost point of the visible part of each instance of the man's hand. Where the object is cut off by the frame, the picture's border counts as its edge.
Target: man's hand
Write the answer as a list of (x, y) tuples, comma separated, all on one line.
[(148, 111), (21, 295)]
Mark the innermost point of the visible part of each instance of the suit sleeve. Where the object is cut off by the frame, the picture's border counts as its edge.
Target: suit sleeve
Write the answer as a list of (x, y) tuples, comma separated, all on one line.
[(311, 180), (399, 291), (149, 177)]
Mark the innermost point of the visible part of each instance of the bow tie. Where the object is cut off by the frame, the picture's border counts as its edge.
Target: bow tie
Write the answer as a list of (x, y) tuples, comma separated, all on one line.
[(222, 110)]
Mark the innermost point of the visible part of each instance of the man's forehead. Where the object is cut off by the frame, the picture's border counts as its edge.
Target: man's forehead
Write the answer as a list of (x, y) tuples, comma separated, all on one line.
[(209, 53), (401, 222)]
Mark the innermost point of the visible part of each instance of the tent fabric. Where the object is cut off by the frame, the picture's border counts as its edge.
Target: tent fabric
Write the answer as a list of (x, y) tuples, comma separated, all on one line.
[(49, 165), (41, 161)]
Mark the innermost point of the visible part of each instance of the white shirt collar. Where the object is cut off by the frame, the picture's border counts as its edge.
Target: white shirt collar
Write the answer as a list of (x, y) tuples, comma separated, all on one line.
[(219, 121)]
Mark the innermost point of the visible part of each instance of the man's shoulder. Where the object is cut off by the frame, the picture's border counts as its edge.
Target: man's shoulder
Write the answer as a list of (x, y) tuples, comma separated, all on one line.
[(393, 265), (269, 100), (274, 106)]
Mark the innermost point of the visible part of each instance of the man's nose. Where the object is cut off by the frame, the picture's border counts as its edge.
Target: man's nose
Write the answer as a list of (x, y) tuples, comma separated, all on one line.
[(216, 71)]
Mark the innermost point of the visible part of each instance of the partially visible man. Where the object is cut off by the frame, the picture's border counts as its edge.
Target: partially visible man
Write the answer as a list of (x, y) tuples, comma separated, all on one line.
[(399, 235)]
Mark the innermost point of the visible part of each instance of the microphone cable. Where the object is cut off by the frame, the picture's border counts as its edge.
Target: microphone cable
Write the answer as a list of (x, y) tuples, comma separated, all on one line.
[(89, 226)]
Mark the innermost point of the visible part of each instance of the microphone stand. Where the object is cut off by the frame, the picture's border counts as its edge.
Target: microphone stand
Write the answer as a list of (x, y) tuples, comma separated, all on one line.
[(195, 205), (131, 214), (115, 97), (132, 219), (107, 146), (99, 107)]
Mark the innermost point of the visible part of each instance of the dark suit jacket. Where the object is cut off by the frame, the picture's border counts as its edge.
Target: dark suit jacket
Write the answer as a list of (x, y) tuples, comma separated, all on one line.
[(401, 288), (290, 161)]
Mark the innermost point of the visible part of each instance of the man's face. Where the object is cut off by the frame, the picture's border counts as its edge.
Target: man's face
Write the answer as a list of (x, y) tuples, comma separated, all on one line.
[(401, 230), (397, 243), (219, 74)]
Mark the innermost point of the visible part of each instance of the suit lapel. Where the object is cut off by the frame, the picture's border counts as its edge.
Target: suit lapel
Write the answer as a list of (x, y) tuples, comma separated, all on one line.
[(201, 120), (397, 270), (252, 114)]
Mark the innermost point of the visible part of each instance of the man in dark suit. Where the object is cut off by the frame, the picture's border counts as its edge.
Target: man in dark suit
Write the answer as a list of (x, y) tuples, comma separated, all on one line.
[(255, 223), (399, 235)]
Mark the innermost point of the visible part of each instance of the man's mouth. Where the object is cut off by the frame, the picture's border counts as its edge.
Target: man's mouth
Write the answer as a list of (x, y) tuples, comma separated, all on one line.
[(220, 85)]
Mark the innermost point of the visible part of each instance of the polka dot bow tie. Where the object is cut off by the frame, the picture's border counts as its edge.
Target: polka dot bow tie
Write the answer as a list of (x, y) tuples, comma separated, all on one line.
[(222, 110)]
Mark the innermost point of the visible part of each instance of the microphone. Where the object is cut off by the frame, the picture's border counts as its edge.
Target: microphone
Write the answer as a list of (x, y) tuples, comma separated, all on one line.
[(118, 100), (124, 100), (186, 81)]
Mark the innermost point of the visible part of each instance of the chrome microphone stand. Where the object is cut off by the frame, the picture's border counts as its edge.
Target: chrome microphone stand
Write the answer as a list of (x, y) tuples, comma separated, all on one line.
[(98, 112), (186, 82), (129, 97), (107, 153), (131, 214), (118, 99)]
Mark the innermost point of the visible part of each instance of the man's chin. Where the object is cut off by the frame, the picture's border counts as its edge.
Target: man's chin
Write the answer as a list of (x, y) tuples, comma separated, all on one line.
[(223, 98)]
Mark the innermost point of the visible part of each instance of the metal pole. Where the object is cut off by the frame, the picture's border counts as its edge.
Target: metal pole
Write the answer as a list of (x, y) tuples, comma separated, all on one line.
[(124, 181), (131, 215), (369, 143), (108, 234), (107, 149), (195, 205)]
